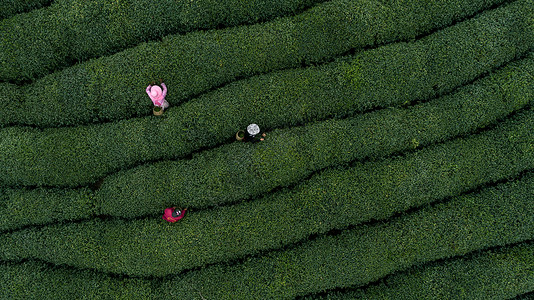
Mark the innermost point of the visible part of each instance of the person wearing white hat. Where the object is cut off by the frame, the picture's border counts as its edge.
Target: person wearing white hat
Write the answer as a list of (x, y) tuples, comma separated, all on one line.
[(252, 134), (157, 95)]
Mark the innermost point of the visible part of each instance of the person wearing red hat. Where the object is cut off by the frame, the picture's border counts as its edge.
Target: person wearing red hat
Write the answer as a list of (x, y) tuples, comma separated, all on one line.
[(157, 95), (173, 214)]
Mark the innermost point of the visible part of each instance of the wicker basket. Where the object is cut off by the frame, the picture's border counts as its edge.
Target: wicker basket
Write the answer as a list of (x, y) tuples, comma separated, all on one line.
[(240, 135), (158, 111)]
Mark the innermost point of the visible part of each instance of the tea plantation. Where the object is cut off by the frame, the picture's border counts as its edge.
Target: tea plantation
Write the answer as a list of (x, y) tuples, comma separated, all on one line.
[(398, 161)]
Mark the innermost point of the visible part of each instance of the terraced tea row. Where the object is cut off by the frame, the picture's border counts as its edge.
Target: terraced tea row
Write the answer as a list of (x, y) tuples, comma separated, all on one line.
[(10, 8), (236, 172), (119, 197), (24, 280), (361, 255), (344, 194), (330, 200), (368, 253), (42, 41), (503, 274), (60, 204), (112, 88), (88, 153)]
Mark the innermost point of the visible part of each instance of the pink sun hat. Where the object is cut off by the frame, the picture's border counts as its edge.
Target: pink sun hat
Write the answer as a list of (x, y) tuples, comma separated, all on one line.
[(156, 93)]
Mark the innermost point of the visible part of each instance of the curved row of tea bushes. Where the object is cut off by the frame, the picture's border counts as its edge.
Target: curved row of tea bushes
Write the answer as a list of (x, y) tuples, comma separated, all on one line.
[(42, 41), (475, 276), (112, 88), (453, 161), (30, 278), (526, 296), (235, 172), (367, 253), (496, 274), (496, 216), (333, 199), (9, 8), (87, 153), (21, 207)]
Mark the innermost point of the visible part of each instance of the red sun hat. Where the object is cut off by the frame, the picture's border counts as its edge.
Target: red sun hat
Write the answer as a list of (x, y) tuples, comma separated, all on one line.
[(172, 214)]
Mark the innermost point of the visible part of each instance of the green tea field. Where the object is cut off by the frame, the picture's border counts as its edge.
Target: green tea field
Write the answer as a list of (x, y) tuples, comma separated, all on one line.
[(397, 162)]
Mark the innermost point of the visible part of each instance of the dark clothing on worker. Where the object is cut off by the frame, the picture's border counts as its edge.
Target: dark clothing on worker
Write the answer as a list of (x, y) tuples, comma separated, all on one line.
[(252, 138)]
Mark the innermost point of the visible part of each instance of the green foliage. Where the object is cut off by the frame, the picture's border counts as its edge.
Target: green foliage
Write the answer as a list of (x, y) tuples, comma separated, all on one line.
[(503, 274), (32, 279), (352, 258), (11, 103), (333, 199), (8, 8), (223, 177), (475, 276), (280, 99), (366, 253), (526, 296), (75, 30), (21, 207), (112, 87)]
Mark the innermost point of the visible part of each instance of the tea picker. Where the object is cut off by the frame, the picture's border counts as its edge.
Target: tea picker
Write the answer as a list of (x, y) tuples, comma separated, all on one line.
[(157, 95), (252, 134), (173, 214)]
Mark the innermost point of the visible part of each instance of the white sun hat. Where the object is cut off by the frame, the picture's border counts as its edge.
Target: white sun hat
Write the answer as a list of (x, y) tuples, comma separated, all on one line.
[(253, 129)]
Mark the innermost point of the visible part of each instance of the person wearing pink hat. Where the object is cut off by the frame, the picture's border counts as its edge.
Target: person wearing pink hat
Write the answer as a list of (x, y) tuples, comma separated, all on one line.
[(157, 95)]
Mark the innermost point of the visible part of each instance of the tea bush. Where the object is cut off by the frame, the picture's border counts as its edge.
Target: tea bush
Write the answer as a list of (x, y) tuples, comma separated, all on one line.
[(31, 278), (111, 88), (70, 31), (367, 253), (236, 172), (119, 197), (20, 207), (503, 274), (333, 199), (354, 257), (448, 279), (87, 153), (9, 8), (452, 166)]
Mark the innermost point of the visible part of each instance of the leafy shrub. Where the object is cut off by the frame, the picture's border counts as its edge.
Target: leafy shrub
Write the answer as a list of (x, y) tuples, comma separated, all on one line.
[(333, 199), (224, 175), (236, 172), (76, 30), (111, 88), (492, 272), (89, 152), (8, 8), (206, 180), (28, 279), (367, 253), (526, 296), (503, 274), (19, 207), (287, 243)]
